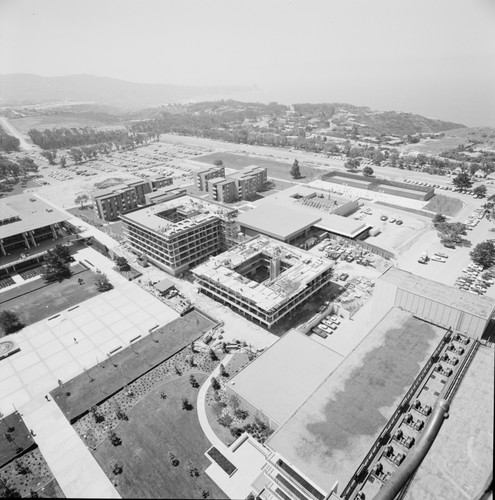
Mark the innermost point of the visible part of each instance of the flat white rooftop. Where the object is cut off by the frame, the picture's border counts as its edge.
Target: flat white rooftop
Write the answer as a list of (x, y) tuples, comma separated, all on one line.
[(330, 433), (270, 294), (196, 210), (287, 373), (33, 213)]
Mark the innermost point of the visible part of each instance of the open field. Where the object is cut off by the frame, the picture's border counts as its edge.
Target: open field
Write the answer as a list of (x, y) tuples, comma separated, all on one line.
[(40, 303), (276, 169), (452, 139), (77, 395), (155, 428), (445, 205), (67, 119)]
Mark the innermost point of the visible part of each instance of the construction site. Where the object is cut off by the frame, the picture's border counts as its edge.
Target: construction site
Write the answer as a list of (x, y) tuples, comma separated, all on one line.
[(263, 279)]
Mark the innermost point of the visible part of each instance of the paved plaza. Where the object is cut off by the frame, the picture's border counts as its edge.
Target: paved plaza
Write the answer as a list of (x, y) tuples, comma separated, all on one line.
[(63, 346)]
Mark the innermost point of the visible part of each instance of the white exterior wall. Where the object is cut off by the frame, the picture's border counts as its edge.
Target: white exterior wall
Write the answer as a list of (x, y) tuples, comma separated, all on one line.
[(430, 310)]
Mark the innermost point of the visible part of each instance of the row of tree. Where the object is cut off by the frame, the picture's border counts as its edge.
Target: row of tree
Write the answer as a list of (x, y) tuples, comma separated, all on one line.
[(8, 143), (65, 138)]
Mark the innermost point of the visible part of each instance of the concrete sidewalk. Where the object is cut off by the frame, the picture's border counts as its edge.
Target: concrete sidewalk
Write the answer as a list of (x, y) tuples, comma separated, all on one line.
[(72, 464)]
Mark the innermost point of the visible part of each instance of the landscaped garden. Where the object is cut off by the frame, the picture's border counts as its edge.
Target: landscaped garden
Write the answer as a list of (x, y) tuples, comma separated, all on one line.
[(23, 470), (105, 379), (38, 300), (146, 436), (162, 445), (224, 411)]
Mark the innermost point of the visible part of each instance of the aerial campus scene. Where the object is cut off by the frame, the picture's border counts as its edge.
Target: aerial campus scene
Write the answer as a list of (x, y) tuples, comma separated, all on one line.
[(247, 249)]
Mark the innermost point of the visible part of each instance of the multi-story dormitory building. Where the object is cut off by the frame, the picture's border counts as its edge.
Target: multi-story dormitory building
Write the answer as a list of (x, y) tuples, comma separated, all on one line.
[(110, 203), (180, 233), (242, 185)]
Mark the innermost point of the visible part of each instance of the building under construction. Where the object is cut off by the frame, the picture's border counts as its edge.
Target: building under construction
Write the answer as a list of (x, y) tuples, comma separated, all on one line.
[(263, 279), (178, 234)]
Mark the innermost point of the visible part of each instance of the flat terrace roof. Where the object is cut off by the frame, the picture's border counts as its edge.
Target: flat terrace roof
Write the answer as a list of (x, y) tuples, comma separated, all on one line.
[(478, 305), (279, 381), (278, 221), (330, 433), (268, 295), (148, 218), (33, 213)]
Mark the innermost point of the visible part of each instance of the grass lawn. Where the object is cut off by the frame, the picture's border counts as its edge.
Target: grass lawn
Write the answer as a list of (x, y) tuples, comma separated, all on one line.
[(40, 303), (155, 428), (106, 378), (277, 169), (445, 205), (85, 212)]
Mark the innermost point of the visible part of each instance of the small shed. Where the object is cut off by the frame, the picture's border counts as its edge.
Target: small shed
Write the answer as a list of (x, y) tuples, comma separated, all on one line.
[(164, 286)]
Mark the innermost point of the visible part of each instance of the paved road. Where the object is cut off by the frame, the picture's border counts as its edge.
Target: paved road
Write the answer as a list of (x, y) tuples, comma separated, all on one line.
[(11, 130)]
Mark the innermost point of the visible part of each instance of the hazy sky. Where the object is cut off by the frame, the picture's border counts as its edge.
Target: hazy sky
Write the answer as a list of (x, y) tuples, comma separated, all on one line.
[(433, 57)]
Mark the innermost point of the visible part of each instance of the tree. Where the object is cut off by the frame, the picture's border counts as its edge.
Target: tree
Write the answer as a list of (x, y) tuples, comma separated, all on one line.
[(55, 266), (218, 163), (102, 283), (438, 219), (483, 254), (480, 191), (352, 164), (368, 171), (215, 384), (63, 161), (295, 171), (462, 181), (9, 322), (122, 263), (81, 200)]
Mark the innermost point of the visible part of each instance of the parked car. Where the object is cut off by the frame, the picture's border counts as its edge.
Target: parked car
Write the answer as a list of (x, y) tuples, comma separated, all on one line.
[(343, 276), (398, 222), (383, 217)]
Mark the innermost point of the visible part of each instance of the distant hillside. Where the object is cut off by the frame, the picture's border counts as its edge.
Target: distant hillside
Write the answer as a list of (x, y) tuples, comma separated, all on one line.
[(27, 89), (375, 123)]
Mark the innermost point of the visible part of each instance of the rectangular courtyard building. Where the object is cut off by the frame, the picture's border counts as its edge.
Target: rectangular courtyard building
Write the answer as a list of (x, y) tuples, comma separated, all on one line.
[(181, 233), (263, 279)]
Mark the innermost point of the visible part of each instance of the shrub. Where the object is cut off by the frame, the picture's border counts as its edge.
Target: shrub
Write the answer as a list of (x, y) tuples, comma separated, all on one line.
[(191, 469), (225, 420), (241, 414), (102, 283), (117, 468), (9, 322), (114, 439), (97, 415), (173, 459), (215, 384), (122, 415), (186, 405), (21, 468), (193, 382), (213, 355), (236, 431)]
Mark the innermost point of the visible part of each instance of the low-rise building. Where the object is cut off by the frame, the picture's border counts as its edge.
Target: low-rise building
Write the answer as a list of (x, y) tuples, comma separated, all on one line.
[(205, 174), (263, 279), (110, 203), (242, 185)]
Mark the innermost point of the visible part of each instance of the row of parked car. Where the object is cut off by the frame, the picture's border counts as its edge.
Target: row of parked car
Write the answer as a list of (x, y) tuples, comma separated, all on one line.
[(473, 220), (326, 326), (474, 281)]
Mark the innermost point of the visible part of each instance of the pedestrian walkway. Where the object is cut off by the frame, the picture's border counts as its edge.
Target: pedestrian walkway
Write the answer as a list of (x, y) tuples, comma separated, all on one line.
[(76, 470), (248, 457)]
